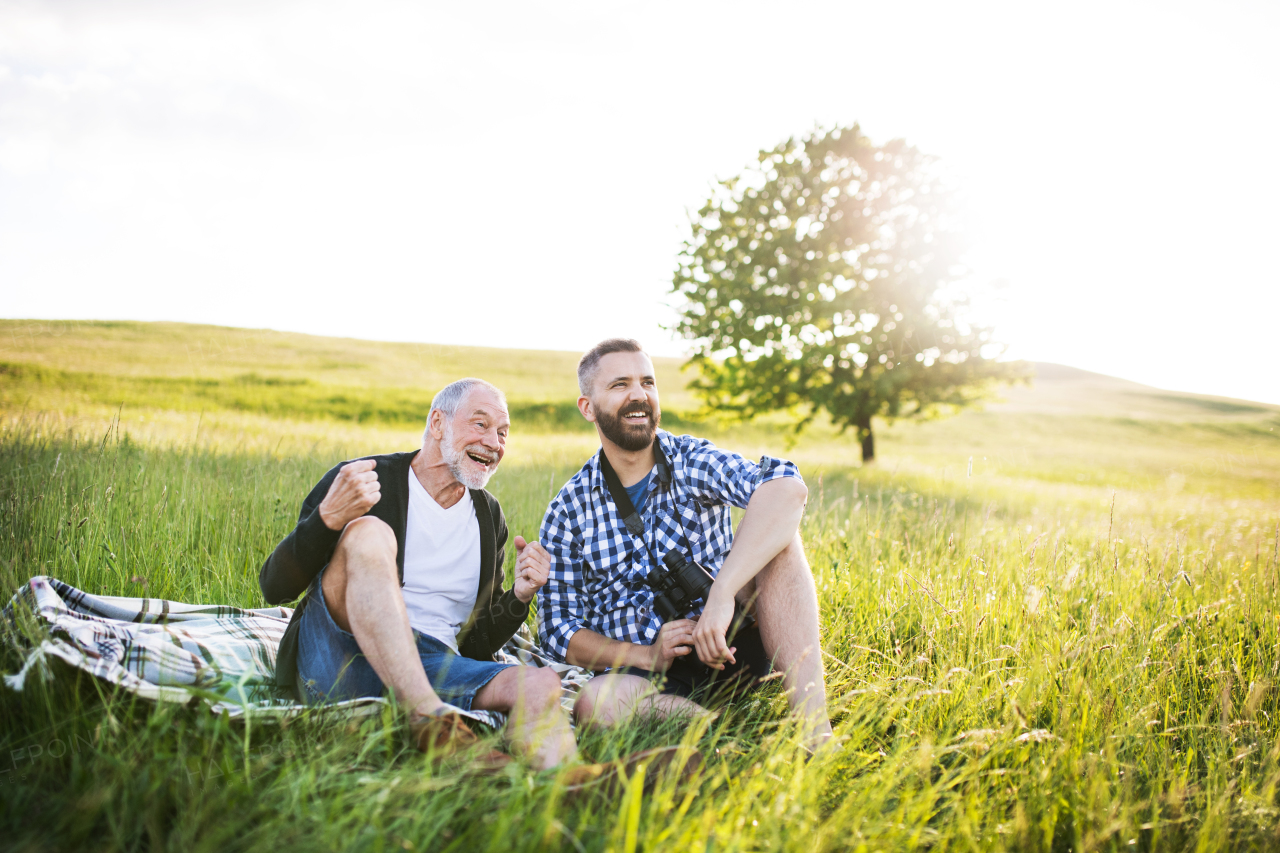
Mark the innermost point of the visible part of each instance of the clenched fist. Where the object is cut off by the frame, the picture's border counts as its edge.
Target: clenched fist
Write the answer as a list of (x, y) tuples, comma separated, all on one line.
[(354, 492), (533, 564)]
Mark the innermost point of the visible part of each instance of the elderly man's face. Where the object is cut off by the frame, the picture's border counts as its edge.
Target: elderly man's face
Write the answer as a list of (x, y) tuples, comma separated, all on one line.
[(475, 438)]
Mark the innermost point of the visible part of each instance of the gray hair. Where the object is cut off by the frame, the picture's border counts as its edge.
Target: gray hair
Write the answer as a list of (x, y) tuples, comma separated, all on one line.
[(588, 366), (450, 397)]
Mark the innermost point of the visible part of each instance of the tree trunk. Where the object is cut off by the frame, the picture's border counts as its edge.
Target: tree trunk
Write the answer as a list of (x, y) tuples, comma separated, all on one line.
[(868, 442)]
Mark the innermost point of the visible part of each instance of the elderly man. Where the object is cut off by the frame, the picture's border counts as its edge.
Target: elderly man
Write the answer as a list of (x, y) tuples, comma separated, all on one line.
[(648, 496), (402, 559)]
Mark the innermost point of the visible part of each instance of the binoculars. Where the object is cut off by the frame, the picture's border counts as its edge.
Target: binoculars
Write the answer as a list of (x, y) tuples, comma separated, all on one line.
[(679, 584)]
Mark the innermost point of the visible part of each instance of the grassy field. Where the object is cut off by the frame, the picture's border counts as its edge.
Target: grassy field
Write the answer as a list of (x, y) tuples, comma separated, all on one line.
[(1049, 625)]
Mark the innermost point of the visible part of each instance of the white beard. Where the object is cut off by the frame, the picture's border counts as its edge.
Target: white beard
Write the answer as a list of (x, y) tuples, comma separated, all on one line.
[(460, 465)]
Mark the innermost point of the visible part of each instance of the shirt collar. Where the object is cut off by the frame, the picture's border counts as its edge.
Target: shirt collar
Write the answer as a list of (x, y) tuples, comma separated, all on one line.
[(663, 447)]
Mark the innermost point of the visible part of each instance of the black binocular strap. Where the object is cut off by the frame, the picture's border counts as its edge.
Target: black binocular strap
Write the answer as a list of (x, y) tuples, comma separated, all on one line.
[(618, 492), (626, 508)]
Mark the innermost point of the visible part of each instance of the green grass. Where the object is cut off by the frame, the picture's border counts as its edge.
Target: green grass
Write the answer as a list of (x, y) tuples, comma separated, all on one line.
[(1072, 646)]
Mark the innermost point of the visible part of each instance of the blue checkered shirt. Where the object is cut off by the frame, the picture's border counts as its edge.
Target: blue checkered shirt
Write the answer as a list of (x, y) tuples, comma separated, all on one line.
[(598, 567)]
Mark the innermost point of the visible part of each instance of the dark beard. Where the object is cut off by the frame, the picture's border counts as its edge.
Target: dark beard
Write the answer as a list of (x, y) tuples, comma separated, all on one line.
[(625, 435)]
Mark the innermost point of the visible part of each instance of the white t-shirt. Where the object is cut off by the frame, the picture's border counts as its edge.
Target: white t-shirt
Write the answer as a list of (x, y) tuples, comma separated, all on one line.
[(441, 563)]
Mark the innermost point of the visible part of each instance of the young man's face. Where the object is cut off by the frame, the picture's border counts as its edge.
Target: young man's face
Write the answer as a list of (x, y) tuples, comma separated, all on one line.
[(624, 400), (474, 440)]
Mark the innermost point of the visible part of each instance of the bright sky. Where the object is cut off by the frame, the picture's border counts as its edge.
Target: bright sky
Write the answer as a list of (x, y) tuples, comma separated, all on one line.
[(518, 174)]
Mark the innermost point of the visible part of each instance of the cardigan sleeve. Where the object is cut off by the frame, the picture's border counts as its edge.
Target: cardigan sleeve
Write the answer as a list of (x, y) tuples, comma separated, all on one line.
[(304, 552)]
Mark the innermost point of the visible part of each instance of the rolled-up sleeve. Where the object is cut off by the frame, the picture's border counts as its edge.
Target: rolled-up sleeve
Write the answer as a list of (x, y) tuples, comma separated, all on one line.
[(717, 476), (560, 609)]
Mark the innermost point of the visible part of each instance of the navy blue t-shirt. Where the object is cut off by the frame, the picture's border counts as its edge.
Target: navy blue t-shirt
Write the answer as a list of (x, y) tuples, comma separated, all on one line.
[(639, 493)]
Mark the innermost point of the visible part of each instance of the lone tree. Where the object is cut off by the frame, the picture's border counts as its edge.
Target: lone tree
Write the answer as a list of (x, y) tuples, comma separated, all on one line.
[(822, 280)]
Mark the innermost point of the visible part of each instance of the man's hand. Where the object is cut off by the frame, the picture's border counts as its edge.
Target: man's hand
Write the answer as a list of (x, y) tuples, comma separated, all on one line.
[(675, 639), (708, 634), (354, 492), (533, 564)]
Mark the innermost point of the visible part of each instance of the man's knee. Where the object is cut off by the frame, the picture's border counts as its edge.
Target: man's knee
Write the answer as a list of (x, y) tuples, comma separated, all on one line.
[(367, 546), (546, 685), (539, 689), (367, 537), (584, 707)]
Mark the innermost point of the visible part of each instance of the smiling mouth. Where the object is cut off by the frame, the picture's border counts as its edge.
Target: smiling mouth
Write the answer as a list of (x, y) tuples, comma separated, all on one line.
[(479, 459), (636, 417)]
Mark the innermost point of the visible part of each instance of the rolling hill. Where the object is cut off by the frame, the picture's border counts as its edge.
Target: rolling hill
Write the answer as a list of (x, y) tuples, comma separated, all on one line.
[(242, 388)]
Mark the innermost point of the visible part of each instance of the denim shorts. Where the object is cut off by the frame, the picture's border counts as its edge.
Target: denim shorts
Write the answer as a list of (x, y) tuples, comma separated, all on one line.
[(331, 667)]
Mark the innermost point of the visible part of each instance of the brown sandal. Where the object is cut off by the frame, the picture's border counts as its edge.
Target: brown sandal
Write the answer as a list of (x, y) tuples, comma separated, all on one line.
[(442, 734), (446, 734)]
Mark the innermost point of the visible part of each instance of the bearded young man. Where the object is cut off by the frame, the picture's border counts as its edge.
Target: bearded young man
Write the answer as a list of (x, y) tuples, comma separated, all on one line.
[(597, 608), (401, 556)]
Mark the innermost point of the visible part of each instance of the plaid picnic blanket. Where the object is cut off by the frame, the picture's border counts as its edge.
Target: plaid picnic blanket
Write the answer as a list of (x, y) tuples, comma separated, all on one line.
[(215, 654)]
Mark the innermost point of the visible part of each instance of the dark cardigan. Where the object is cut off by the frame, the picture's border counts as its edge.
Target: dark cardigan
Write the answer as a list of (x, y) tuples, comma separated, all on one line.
[(307, 550)]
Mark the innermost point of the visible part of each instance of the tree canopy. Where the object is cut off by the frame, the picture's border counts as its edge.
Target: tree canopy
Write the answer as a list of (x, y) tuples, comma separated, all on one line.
[(825, 279)]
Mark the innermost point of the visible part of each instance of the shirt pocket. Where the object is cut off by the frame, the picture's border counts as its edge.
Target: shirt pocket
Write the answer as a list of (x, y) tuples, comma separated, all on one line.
[(620, 578), (626, 601)]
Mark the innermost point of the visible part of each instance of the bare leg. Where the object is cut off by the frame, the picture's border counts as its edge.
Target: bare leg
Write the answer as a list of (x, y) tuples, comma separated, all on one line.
[(538, 728), (786, 607), (787, 611), (611, 698), (362, 589)]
